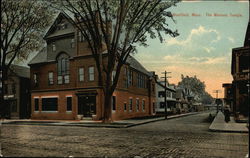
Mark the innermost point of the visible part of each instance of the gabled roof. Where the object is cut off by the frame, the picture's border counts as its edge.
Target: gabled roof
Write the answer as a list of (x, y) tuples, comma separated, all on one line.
[(41, 57), (137, 66), (54, 26), (163, 86), (20, 71)]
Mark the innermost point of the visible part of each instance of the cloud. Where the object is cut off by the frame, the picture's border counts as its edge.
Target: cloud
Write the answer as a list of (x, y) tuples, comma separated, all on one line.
[(231, 39), (178, 59), (197, 36), (216, 60), (172, 57)]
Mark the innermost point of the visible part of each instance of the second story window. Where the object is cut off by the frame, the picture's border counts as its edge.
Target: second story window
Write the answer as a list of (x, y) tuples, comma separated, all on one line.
[(13, 88), (53, 47), (6, 89), (113, 76), (35, 77), (72, 44), (81, 74), (63, 69), (125, 77), (91, 73), (130, 78), (153, 87), (51, 78), (80, 37)]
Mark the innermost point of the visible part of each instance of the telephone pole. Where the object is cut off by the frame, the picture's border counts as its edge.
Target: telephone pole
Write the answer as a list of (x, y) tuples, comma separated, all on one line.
[(165, 95), (217, 91)]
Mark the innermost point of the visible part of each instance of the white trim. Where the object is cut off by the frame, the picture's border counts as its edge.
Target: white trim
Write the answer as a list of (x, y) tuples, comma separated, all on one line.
[(55, 96), (36, 97), (67, 96), (69, 111)]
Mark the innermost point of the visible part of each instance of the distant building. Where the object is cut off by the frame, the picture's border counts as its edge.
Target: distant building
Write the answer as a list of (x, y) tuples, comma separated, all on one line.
[(64, 80), (17, 93), (228, 94), (240, 71), (170, 97)]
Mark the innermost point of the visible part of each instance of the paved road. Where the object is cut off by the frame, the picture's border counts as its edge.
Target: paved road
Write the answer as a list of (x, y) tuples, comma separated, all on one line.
[(183, 137)]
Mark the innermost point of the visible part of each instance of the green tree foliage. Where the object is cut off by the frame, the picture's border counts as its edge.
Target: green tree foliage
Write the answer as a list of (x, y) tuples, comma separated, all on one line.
[(206, 98), (192, 83), (118, 25), (23, 23), (197, 87)]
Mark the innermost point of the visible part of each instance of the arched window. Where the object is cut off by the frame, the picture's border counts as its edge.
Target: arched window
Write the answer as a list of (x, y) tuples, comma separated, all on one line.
[(63, 68)]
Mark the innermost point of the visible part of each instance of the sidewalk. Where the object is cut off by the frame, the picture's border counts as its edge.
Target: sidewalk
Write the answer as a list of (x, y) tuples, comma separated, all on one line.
[(90, 123), (219, 125)]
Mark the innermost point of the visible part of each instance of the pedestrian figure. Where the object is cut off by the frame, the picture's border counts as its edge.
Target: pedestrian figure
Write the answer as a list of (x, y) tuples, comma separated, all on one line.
[(227, 113)]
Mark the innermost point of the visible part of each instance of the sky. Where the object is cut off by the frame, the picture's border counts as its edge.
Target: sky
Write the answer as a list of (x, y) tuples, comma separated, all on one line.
[(204, 46)]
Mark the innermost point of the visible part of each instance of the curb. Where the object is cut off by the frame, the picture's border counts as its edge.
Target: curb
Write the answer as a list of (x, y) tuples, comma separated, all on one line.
[(98, 125), (226, 131)]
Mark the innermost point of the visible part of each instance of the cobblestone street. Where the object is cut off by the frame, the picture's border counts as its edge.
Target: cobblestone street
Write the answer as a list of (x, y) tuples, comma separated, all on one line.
[(182, 137)]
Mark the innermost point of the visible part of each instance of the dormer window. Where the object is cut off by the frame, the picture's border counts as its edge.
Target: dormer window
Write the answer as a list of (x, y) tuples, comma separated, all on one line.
[(62, 26)]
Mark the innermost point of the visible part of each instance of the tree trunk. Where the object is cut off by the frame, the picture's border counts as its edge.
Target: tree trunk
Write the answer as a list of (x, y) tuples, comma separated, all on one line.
[(107, 118), (2, 102)]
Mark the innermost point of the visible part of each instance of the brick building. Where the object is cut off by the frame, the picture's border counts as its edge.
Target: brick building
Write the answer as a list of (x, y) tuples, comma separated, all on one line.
[(228, 94), (240, 71), (64, 80)]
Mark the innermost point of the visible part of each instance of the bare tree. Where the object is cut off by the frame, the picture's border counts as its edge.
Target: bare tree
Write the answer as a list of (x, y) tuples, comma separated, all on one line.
[(23, 23), (117, 25)]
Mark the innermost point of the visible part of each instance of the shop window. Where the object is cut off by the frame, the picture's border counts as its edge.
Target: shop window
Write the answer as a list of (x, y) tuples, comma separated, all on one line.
[(69, 103), (13, 105), (49, 104), (36, 104), (113, 103)]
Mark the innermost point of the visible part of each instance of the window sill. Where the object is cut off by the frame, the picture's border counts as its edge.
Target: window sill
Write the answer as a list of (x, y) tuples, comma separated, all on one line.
[(49, 111)]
